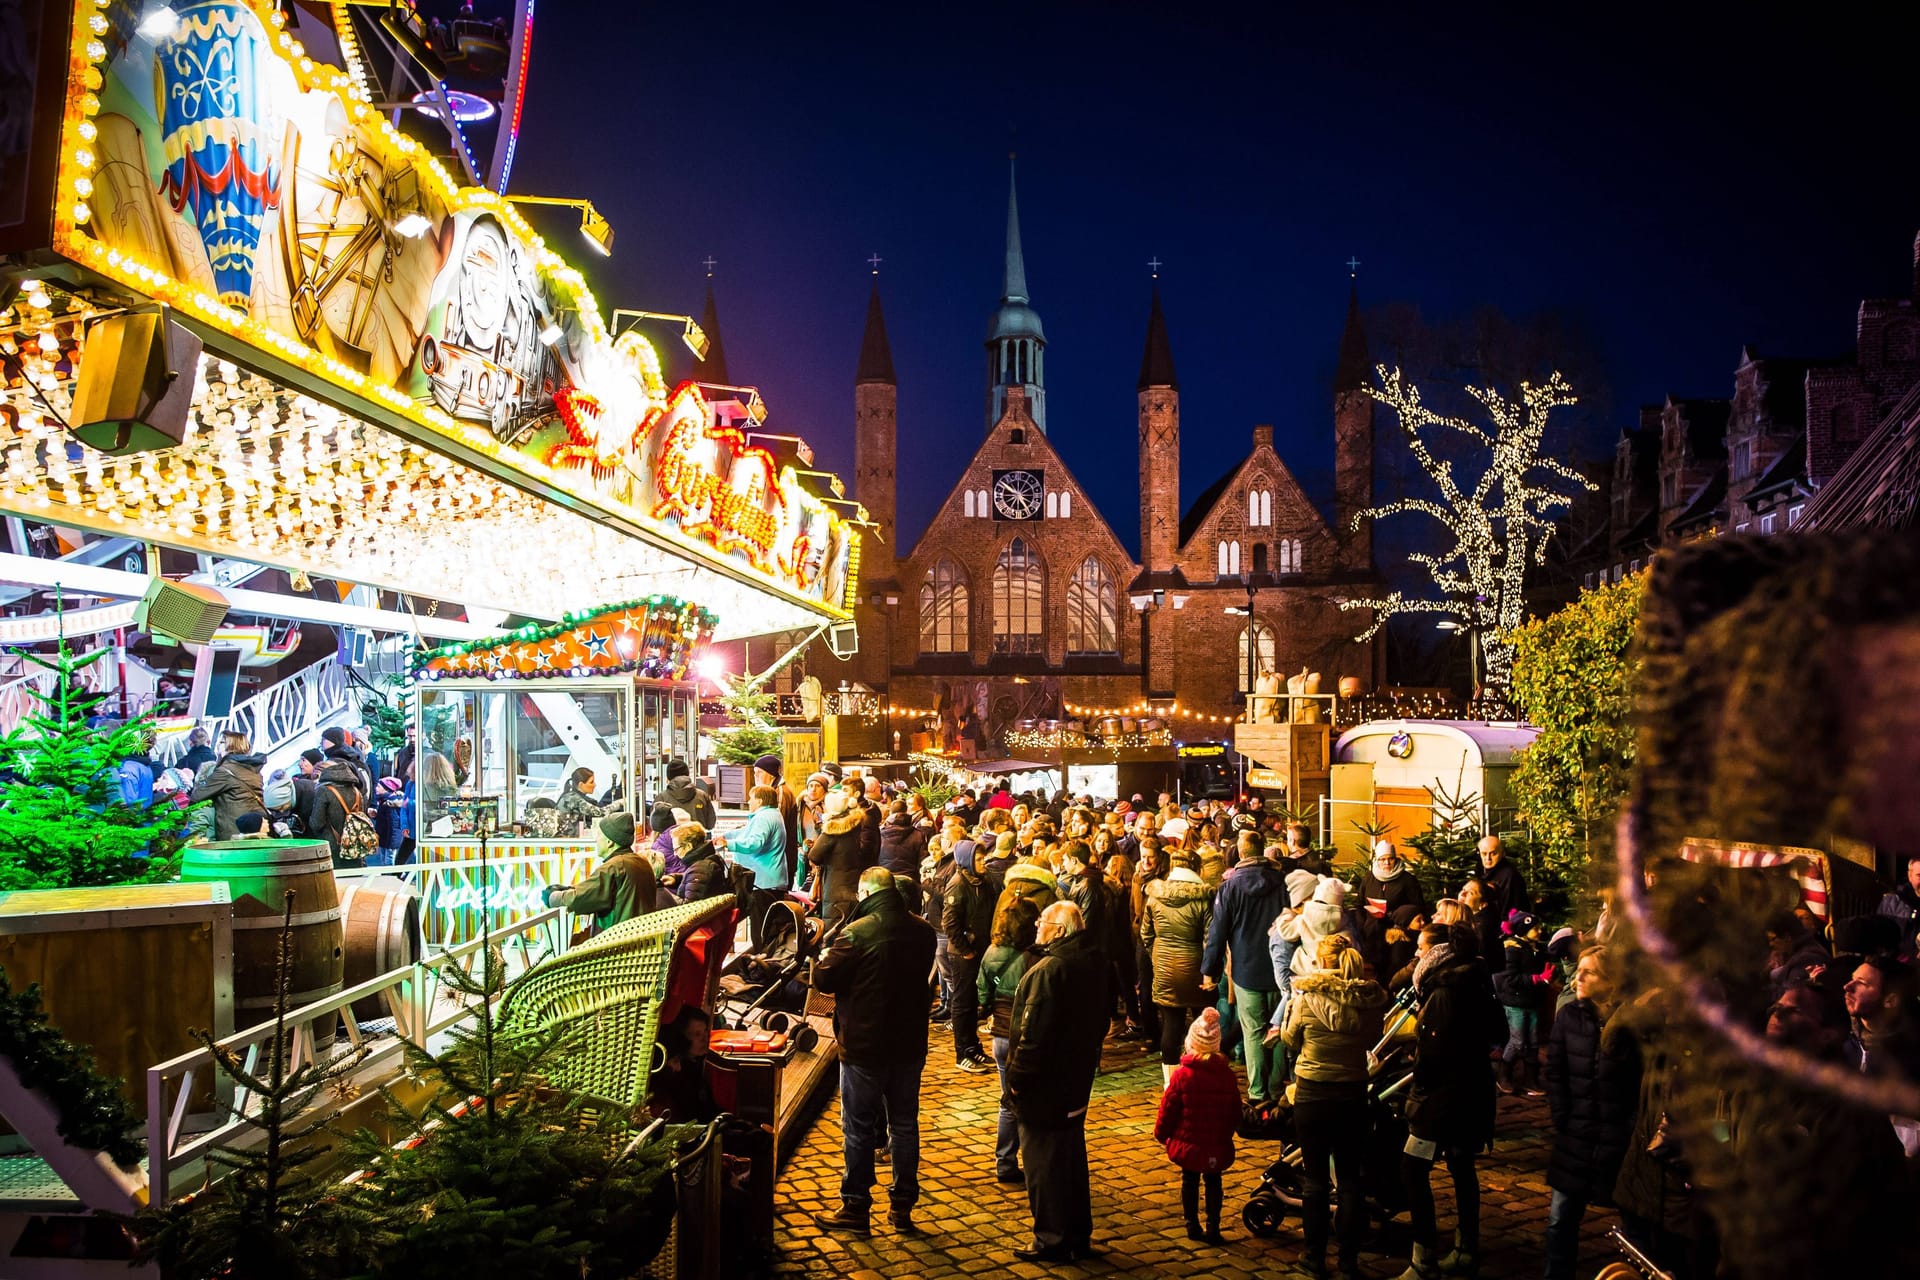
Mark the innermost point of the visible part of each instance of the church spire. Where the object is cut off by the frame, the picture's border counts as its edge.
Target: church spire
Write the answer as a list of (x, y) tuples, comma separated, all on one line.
[(1350, 374), (1014, 287), (713, 369), (876, 357), (1016, 344), (1156, 362)]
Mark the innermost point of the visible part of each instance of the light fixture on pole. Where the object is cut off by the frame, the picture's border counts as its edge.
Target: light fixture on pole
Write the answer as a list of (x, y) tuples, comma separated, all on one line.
[(597, 230), (694, 336), (801, 449)]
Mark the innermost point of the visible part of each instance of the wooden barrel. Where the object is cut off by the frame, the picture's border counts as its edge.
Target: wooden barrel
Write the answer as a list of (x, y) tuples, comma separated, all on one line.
[(259, 873), (381, 917)]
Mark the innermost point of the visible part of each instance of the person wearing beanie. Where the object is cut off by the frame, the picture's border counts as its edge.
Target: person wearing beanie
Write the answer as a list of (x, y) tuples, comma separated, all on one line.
[(621, 888), (1282, 942), (769, 771), (1320, 917), (967, 914), (837, 854), (994, 866), (1179, 911), (1198, 1111), (761, 847), (1523, 985), (1332, 1023), (1388, 885), (683, 793)]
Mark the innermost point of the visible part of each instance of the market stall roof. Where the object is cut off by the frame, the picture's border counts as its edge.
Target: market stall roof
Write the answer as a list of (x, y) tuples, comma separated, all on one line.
[(1493, 742), (435, 403), (1008, 766)]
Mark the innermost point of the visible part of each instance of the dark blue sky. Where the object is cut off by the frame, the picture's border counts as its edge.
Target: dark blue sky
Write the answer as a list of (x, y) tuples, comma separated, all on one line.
[(1674, 184)]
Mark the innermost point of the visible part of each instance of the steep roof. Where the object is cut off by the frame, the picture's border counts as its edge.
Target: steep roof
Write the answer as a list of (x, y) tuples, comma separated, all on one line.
[(1156, 362), (1707, 502), (876, 357), (714, 368), (1787, 469), (1350, 374), (1196, 515), (1879, 486)]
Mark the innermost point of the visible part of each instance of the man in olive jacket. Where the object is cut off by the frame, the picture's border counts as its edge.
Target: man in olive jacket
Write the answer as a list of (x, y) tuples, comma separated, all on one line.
[(877, 970), (1059, 1023)]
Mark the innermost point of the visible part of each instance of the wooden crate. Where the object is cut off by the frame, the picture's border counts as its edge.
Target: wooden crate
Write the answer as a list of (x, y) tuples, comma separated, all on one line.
[(125, 970)]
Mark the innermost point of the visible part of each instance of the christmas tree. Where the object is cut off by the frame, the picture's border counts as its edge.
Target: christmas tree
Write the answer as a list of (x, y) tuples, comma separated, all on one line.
[(752, 733), (63, 822)]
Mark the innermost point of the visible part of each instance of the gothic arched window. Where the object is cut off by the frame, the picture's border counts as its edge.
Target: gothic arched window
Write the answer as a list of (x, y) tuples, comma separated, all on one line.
[(944, 623), (1093, 610), (969, 503), (1260, 636), (1066, 504), (1019, 601)]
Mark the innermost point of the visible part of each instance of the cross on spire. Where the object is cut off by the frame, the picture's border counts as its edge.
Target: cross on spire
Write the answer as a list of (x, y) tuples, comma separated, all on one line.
[(1154, 264), (1353, 267), (875, 262), (710, 264)]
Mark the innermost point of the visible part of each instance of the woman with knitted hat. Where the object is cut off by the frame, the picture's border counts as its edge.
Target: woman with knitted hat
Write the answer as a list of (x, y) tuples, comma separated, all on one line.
[(1332, 1021), (1198, 1112)]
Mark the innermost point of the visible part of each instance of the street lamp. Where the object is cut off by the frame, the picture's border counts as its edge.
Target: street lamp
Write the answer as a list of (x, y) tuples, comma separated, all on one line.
[(1252, 634), (694, 336), (597, 230)]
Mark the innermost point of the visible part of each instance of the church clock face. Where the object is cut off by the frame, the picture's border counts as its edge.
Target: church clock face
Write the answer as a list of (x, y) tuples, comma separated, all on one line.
[(1017, 494)]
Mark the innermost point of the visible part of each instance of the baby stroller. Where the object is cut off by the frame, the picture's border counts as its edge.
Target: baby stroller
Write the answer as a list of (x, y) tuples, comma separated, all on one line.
[(1390, 1072)]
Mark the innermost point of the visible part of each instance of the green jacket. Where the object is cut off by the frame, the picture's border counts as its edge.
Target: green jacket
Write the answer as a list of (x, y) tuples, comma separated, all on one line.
[(619, 889), (1000, 971)]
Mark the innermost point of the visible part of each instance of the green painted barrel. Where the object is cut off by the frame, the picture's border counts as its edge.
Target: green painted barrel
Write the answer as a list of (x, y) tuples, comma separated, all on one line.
[(259, 875)]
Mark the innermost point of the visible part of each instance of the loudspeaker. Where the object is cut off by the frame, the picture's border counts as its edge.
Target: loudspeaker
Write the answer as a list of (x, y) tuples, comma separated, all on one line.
[(222, 685), (134, 387), (844, 639), (182, 611)]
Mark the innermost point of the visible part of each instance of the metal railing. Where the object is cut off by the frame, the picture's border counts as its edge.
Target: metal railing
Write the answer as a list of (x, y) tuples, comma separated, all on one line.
[(423, 1006), (295, 708), (453, 888)]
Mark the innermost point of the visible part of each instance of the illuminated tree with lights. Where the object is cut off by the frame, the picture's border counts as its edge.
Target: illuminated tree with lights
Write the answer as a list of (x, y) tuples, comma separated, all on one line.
[(1500, 521)]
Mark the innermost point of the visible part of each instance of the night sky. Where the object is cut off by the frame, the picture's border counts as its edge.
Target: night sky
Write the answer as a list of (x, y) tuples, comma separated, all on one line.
[(1671, 192)]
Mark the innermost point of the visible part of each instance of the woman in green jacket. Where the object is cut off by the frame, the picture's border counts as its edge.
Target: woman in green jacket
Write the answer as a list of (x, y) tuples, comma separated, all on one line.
[(1014, 931)]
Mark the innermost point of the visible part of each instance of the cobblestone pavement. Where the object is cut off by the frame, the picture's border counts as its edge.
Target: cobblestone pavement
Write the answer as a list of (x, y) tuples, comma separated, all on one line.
[(972, 1223)]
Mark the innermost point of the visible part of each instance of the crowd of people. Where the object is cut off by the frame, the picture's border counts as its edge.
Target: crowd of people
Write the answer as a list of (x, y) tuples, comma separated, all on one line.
[(1214, 932)]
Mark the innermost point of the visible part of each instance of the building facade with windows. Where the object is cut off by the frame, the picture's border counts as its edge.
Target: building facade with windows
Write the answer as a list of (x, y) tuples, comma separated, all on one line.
[(1751, 463), (1019, 600)]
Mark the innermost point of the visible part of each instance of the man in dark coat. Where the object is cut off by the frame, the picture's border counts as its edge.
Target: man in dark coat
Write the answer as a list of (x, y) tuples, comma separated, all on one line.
[(1593, 1083), (682, 793), (1450, 1106), (1249, 900), (877, 970), (1902, 906), (337, 746), (1505, 891), (968, 923), (1058, 1025)]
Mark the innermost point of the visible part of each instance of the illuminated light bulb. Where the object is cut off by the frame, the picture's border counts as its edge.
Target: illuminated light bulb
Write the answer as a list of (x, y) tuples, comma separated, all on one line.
[(81, 213), (87, 130), (83, 158)]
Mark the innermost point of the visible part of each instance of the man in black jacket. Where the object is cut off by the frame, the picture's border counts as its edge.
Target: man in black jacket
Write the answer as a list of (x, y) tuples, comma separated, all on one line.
[(968, 923), (877, 970), (1058, 1026), (1249, 900), (681, 792), (1505, 890)]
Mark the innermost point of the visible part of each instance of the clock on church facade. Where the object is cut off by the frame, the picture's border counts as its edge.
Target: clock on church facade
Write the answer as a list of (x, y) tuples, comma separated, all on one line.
[(1018, 495)]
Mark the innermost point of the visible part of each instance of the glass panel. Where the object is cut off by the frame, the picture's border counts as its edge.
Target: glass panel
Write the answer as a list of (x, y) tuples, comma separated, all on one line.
[(558, 731), (446, 757), (655, 743)]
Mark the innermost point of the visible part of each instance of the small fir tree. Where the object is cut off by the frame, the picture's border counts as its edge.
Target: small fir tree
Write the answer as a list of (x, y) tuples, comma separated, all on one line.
[(752, 733), (505, 1175), (63, 822), (273, 1214)]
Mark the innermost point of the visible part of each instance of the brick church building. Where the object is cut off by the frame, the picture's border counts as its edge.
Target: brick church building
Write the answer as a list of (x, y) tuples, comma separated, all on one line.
[(1018, 601)]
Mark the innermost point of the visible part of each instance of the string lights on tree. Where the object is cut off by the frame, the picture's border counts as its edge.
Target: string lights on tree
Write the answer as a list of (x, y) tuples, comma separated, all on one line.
[(1500, 522)]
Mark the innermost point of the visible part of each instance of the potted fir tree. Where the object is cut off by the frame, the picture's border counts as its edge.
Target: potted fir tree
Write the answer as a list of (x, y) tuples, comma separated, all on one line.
[(750, 734)]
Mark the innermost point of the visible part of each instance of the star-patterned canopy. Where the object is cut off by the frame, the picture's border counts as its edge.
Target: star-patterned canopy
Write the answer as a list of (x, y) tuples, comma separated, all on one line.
[(655, 638)]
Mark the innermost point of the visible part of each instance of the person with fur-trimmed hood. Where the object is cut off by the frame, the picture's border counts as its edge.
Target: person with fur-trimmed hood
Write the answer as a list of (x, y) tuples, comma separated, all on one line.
[(1033, 882), (1322, 916), (838, 854)]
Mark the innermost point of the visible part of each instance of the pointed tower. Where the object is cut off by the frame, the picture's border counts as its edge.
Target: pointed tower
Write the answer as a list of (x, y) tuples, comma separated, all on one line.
[(713, 369), (1016, 344), (874, 441), (1353, 443), (1159, 400)]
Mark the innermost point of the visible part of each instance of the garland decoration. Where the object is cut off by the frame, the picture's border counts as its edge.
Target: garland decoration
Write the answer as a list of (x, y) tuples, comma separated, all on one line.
[(655, 638), (94, 1114)]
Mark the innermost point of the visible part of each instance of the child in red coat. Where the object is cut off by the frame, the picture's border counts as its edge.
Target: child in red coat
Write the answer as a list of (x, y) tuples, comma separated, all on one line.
[(1198, 1112)]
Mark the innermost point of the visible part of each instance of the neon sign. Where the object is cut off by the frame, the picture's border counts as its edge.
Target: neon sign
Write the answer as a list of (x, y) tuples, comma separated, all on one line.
[(711, 481)]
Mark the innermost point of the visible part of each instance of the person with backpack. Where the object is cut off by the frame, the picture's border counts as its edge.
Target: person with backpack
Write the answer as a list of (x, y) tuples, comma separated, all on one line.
[(340, 814)]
